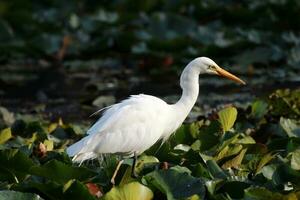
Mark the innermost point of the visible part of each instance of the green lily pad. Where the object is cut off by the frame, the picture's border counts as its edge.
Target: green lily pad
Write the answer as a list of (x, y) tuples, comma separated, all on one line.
[(176, 183), (207, 137), (61, 172), (130, 191)]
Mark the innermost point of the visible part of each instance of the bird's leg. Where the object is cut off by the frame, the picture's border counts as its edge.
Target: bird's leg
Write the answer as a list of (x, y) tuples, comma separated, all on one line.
[(133, 172), (112, 180)]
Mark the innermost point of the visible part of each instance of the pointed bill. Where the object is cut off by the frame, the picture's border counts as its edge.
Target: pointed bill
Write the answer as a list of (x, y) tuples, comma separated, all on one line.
[(226, 74)]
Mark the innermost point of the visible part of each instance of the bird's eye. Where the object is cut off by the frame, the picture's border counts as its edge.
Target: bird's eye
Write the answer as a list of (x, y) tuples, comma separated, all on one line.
[(211, 67)]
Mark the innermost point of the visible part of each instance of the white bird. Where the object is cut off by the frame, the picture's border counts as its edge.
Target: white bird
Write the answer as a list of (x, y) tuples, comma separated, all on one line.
[(135, 124)]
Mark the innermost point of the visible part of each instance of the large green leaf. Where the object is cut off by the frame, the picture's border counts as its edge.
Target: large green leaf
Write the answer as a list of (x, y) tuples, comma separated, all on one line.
[(48, 189), (130, 191), (15, 165), (13, 195), (60, 172), (227, 117), (207, 137), (183, 135), (176, 183)]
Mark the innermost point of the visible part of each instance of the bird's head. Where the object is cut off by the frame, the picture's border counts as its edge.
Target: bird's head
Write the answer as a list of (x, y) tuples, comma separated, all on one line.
[(208, 66)]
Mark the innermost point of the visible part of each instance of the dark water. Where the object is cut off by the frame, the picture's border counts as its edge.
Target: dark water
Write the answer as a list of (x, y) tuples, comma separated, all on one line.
[(59, 92)]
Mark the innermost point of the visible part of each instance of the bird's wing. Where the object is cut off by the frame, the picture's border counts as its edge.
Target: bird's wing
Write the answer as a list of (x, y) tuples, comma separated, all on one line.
[(134, 108), (125, 127)]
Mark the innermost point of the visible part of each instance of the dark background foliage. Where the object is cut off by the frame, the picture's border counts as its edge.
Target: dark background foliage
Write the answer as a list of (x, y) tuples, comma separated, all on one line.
[(66, 53)]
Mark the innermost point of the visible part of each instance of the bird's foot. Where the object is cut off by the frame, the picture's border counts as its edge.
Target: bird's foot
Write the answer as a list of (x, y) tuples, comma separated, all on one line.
[(112, 180), (134, 174)]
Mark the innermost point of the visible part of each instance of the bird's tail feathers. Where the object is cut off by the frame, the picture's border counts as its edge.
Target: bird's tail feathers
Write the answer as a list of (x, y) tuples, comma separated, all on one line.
[(75, 148), (78, 152), (80, 158)]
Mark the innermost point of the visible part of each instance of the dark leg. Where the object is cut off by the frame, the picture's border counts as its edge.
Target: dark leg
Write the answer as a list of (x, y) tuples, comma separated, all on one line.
[(133, 173)]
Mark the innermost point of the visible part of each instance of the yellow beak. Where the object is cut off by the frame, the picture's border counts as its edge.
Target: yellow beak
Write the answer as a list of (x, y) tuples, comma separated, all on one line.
[(226, 74)]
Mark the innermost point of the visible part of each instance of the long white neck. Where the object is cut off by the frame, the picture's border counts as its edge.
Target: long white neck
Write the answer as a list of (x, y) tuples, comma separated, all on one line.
[(189, 82)]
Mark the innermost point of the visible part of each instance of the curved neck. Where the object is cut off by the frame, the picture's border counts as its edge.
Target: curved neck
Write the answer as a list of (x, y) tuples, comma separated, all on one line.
[(189, 82)]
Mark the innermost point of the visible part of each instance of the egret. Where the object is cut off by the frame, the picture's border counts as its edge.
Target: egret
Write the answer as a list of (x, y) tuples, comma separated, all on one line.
[(135, 124)]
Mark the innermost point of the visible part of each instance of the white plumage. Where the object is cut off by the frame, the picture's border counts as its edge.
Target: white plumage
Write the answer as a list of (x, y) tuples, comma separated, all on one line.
[(135, 124)]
